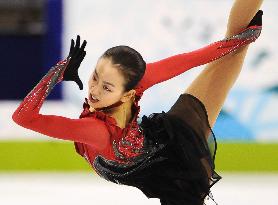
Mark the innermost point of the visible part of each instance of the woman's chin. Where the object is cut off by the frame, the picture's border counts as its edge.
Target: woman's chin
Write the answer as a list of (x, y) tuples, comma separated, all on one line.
[(91, 105), (92, 109)]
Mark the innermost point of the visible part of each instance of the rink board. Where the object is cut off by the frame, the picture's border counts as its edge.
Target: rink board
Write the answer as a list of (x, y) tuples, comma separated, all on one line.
[(61, 156)]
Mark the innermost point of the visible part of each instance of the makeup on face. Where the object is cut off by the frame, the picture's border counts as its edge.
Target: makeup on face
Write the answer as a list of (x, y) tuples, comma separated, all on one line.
[(92, 99), (108, 83), (103, 84)]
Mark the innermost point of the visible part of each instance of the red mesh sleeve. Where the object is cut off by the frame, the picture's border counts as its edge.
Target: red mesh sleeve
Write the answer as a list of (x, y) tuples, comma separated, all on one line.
[(170, 67), (86, 130)]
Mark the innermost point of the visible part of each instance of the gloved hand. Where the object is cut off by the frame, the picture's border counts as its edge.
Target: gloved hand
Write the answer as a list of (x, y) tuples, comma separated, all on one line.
[(257, 19), (76, 55)]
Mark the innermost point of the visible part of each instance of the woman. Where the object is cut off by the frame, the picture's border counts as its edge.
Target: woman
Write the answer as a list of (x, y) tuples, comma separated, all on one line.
[(170, 155)]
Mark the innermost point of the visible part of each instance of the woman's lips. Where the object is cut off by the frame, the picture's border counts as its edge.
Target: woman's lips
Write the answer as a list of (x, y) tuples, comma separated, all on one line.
[(92, 100)]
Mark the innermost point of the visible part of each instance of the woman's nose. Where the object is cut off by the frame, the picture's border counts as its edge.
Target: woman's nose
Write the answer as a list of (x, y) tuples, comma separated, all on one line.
[(94, 90)]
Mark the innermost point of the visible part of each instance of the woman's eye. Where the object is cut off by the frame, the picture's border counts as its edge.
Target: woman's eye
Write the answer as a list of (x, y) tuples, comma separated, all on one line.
[(106, 88)]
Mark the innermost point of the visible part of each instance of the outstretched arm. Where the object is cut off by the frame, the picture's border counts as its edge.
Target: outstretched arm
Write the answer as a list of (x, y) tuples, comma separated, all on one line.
[(85, 130), (214, 82), (170, 67)]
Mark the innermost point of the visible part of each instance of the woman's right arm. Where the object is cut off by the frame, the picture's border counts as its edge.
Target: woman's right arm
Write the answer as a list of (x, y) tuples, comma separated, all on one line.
[(85, 130)]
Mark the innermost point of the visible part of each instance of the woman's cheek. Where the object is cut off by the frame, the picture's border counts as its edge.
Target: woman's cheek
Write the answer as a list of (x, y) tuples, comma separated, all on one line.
[(89, 83)]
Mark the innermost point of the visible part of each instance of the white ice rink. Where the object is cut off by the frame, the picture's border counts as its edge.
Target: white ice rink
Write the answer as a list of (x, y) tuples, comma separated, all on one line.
[(86, 188)]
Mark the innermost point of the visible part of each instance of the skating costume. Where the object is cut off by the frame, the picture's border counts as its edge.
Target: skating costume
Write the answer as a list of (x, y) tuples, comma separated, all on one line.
[(166, 155)]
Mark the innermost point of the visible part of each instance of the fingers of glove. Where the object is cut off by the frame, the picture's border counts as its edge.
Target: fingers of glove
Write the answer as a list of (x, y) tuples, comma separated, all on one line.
[(257, 19), (81, 51), (83, 45), (76, 46), (259, 13), (77, 42), (71, 47), (83, 55)]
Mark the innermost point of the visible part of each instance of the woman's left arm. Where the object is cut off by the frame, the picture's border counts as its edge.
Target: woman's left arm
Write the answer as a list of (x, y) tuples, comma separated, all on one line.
[(170, 67)]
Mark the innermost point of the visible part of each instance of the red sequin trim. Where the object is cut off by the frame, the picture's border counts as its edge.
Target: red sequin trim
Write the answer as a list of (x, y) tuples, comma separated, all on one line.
[(131, 143)]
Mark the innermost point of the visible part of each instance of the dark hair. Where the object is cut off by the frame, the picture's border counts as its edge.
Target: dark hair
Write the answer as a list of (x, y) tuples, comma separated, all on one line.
[(131, 64)]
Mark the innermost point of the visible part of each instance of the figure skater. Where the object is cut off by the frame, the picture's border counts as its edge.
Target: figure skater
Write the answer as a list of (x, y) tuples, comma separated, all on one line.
[(169, 155)]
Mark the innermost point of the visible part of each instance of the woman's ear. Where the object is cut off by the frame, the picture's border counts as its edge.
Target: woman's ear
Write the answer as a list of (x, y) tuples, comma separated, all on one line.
[(128, 95)]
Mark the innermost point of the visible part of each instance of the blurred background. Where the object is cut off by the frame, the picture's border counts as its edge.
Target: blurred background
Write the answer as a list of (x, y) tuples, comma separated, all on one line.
[(35, 34)]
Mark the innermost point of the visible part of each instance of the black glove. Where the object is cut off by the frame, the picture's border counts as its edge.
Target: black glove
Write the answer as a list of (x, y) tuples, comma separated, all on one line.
[(257, 19), (76, 55)]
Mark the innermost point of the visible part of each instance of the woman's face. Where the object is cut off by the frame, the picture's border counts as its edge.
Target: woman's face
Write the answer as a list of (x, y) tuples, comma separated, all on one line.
[(106, 84)]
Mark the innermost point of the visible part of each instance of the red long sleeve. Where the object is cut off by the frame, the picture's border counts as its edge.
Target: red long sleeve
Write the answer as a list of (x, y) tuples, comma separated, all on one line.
[(90, 131), (170, 67)]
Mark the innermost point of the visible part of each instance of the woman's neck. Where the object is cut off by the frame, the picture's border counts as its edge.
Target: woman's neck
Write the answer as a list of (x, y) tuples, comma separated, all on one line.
[(123, 114)]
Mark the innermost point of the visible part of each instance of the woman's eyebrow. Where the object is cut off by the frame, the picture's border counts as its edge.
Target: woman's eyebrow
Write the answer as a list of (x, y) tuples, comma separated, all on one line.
[(104, 81)]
